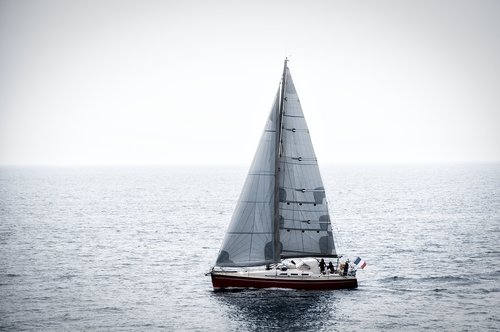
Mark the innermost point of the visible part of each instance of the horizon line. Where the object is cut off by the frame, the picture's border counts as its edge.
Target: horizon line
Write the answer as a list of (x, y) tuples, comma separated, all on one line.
[(326, 164)]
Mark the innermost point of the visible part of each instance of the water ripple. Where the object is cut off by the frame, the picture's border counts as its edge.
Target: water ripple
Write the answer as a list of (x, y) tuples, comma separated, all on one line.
[(126, 249)]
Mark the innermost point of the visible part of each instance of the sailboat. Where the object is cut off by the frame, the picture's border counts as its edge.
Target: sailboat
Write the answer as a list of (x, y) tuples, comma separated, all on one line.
[(280, 234)]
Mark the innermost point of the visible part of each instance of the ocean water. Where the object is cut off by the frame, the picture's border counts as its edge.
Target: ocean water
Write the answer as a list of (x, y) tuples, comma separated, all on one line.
[(126, 249)]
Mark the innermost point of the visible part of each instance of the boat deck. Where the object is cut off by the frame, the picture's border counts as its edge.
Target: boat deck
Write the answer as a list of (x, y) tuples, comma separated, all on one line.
[(281, 278)]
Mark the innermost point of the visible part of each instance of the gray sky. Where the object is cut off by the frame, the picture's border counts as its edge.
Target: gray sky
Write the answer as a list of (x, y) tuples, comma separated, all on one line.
[(192, 82)]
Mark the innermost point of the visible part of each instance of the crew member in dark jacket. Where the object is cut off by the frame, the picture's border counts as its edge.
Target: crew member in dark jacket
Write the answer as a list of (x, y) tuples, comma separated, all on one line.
[(331, 268), (346, 268), (322, 265)]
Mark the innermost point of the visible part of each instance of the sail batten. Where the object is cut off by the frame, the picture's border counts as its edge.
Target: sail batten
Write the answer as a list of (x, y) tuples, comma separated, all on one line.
[(252, 232)]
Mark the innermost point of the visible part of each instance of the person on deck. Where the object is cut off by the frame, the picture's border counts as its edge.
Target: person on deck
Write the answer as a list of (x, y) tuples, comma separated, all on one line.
[(322, 266), (346, 268), (331, 268)]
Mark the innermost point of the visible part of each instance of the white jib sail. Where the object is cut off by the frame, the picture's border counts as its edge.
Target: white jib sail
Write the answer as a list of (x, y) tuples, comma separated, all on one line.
[(248, 240)]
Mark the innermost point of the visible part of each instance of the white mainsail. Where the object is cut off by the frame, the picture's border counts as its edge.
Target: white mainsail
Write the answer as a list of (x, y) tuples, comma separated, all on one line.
[(303, 219), (305, 228)]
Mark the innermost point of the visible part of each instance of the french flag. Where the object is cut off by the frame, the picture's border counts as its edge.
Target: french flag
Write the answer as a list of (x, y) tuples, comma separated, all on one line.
[(359, 262)]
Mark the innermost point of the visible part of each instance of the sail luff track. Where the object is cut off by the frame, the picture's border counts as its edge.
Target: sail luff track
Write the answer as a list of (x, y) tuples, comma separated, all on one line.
[(277, 156)]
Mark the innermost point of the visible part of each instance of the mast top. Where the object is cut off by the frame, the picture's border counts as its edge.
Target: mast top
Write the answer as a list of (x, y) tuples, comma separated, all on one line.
[(285, 66)]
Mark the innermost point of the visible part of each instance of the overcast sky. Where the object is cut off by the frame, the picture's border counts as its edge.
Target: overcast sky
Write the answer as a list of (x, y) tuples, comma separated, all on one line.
[(192, 82)]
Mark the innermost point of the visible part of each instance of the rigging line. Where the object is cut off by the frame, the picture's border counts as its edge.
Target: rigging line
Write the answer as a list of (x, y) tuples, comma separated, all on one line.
[(338, 241)]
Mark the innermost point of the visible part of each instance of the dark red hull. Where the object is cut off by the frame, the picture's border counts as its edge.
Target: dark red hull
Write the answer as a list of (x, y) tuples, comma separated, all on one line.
[(221, 282)]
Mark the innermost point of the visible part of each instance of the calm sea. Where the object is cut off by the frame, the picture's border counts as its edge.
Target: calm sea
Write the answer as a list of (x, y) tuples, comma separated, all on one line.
[(126, 249)]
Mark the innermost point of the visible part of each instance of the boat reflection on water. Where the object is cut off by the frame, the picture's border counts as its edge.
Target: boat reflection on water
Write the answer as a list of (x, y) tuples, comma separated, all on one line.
[(256, 309)]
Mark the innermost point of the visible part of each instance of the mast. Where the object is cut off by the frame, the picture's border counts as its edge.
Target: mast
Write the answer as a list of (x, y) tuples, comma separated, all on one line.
[(277, 155)]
